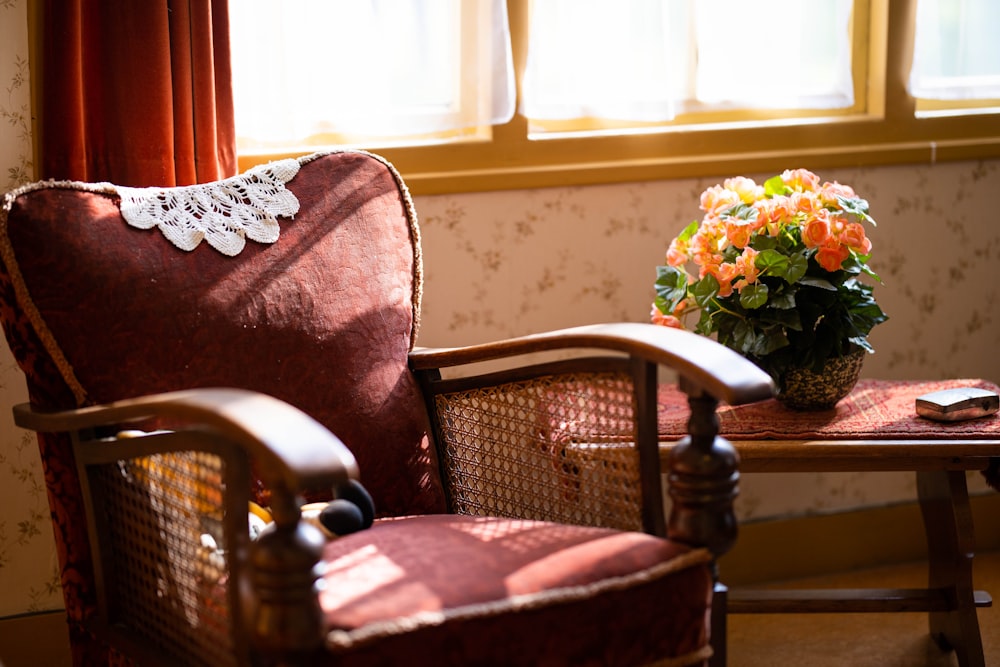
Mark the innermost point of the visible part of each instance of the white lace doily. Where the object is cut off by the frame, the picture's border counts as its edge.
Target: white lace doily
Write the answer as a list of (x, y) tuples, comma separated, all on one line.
[(224, 213)]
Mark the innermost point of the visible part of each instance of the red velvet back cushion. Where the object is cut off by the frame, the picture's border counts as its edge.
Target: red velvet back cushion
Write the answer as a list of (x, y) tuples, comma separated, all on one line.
[(323, 318)]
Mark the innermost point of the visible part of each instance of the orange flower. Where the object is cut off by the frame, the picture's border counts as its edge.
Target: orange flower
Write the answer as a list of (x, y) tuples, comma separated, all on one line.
[(724, 273), (658, 317), (717, 199), (677, 253), (745, 188), (816, 231), (805, 202), (773, 214), (854, 238), (831, 257), (829, 192), (800, 180), (738, 231), (746, 265)]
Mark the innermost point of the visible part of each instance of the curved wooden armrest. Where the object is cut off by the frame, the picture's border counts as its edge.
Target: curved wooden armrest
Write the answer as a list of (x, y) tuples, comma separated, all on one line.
[(293, 449), (717, 370)]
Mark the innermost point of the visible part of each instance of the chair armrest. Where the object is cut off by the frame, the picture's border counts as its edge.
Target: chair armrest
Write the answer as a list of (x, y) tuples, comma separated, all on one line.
[(714, 368), (155, 492), (586, 430), (293, 449)]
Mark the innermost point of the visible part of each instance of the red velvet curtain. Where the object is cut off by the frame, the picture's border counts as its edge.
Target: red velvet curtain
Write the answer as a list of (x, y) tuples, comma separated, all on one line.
[(136, 93)]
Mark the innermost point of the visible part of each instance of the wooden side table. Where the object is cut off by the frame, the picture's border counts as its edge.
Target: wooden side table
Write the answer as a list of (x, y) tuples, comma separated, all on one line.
[(874, 429)]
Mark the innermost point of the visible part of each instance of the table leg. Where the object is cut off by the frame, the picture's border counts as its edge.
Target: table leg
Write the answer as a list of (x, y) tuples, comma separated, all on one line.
[(944, 504), (719, 627)]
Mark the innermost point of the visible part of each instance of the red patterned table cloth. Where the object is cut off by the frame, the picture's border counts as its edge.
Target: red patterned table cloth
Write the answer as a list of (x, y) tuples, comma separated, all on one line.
[(875, 409)]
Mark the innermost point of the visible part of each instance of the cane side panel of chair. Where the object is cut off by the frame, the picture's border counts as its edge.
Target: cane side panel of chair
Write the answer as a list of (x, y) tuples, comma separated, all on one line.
[(537, 449), (166, 588)]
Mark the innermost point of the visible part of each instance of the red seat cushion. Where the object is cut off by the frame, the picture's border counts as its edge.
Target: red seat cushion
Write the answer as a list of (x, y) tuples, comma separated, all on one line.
[(434, 589)]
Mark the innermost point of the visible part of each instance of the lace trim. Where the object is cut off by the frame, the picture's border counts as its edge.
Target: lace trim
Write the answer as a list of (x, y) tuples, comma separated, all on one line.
[(223, 213)]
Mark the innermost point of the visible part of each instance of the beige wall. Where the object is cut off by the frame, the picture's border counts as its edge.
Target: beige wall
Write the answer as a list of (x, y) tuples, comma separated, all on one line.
[(508, 263)]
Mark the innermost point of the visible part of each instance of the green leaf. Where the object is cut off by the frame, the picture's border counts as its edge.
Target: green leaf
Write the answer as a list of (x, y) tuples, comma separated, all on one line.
[(689, 231), (705, 326), (770, 341), (797, 267), (705, 290), (821, 283), (789, 268), (773, 263), (856, 206), (741, 211), (763, 242), (785, 299), (754, 296), (784, 318), (776, 186), (671, 287)]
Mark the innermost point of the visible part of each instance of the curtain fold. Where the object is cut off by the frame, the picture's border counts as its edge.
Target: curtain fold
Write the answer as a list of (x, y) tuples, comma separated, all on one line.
[(136, 93)]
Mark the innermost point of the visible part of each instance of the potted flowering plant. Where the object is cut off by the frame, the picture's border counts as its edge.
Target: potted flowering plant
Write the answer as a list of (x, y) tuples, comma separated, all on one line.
[(776, 271)]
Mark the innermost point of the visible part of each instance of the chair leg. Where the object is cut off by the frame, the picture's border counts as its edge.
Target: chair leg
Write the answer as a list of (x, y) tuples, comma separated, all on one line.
[(720, 600), (944, 504)]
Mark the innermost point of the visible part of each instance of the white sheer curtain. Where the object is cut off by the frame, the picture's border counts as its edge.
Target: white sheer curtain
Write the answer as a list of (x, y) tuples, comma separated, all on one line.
[(648, 59), (778, 54), (368, 68), (604, 58), (956, 51)]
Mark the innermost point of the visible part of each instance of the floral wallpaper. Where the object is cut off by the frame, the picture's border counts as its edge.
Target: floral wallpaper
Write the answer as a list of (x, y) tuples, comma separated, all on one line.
[(29, 576), (510, 263), (506, 263)]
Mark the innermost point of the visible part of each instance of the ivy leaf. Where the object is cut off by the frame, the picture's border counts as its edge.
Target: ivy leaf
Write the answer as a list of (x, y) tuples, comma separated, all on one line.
[(754, 296)]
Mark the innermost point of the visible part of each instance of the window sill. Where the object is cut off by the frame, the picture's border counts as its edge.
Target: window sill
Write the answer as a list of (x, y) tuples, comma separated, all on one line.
[(709, 151)]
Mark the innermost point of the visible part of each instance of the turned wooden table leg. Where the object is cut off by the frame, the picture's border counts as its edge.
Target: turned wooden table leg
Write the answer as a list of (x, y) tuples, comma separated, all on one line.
[(944, 504)]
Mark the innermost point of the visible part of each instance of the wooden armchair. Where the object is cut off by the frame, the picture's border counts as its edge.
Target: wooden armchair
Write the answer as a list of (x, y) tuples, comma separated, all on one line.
[(166, 336)]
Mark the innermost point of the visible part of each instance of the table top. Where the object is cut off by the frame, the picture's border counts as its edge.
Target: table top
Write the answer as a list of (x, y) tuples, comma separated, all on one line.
[(874, 428)]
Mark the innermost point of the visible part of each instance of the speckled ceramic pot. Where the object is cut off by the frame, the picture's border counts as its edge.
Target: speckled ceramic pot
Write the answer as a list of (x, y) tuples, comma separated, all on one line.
[(803, 389)]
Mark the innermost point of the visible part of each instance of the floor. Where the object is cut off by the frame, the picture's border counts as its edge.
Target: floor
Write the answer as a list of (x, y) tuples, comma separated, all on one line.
[(861, 640), (808, 640)]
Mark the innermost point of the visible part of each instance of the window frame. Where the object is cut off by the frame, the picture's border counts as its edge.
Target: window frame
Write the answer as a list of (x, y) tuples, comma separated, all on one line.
[(887, 131)]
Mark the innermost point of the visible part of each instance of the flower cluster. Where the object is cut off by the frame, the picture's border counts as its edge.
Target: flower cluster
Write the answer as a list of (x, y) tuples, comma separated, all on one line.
[(775, 271)]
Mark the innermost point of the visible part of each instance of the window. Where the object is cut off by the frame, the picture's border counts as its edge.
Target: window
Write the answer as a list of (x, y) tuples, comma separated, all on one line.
[(383, 72), (595, 62), (956, 56), (714, 97)]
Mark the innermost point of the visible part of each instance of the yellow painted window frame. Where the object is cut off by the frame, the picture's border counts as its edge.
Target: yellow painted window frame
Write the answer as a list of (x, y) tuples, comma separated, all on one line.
[(886, 129)]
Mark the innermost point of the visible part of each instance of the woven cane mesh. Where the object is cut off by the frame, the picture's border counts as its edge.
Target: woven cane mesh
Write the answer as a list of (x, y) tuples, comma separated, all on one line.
[(555, 448), (163, 517)]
